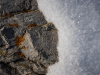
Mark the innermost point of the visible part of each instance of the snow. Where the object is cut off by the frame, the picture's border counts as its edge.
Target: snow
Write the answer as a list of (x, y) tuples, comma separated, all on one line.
[(78, 24)]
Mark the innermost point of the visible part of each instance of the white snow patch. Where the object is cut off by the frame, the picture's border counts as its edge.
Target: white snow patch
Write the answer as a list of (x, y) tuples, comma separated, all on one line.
[(78, 30)]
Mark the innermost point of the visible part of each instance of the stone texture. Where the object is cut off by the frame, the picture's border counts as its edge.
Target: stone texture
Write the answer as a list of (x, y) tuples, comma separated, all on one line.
[(5, 69), (15, 6), (28, 44)]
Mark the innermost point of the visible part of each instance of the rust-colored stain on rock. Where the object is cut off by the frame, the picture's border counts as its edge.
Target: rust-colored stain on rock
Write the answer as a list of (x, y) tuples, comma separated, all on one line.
[(18, 53), (6, 14), (1, 15), (5, 46), (30, 10), (21, 55), (25, 11), (11, 15), (27, 67), (24, 47), (15, 12), (19, 40), (14, 25), (32, 25)]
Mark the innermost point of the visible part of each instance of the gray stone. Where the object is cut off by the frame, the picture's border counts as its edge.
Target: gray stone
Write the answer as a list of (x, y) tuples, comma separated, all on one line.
[(45, 41), (5, 69), (15, 6), (28, 44)]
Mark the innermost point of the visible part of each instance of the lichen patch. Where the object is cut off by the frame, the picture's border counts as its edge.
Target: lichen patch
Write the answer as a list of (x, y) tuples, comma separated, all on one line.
[(11, 15), (21, 55), (32, 25), (24, 47), (13, 25), (30, 10), (19, 40), (2, 16), (6, 14)]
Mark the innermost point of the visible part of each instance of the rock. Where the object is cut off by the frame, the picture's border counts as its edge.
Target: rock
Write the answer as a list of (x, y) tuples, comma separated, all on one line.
[(8, 7), (5, 69), (1, 42), (28, 44), (45, 41)]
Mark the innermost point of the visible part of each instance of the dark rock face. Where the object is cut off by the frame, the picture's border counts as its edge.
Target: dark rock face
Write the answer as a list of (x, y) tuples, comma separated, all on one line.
[(8, 32), (1, 42), (28, 44), (5, 69), (15, 6)]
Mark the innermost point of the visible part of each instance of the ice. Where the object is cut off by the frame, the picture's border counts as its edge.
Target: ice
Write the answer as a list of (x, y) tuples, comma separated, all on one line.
[(78, 24)]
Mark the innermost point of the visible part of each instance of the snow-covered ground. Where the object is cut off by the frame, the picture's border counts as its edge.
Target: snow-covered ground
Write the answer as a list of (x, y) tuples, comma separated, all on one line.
[(78, 24)]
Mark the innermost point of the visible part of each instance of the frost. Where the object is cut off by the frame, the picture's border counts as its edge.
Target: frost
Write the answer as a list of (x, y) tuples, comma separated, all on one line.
[(78, 27)]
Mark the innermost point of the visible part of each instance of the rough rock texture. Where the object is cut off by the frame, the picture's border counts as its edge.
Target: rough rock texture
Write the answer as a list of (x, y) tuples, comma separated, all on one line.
[(27, 42)]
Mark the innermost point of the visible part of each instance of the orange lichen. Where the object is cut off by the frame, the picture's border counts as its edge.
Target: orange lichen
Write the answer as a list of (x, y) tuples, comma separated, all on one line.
[(5, 46), (27, 67), (18, 53), (1, 15), (19, 40), (25, 11), (21, 55), (24, 47), (30, 10), (19, 12), (6, 14), (14, 25), (11, 15), (32, 25), (16, 12)]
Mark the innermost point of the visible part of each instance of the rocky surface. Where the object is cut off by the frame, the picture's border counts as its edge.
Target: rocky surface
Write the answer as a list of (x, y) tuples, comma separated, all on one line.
[(28, 44)]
